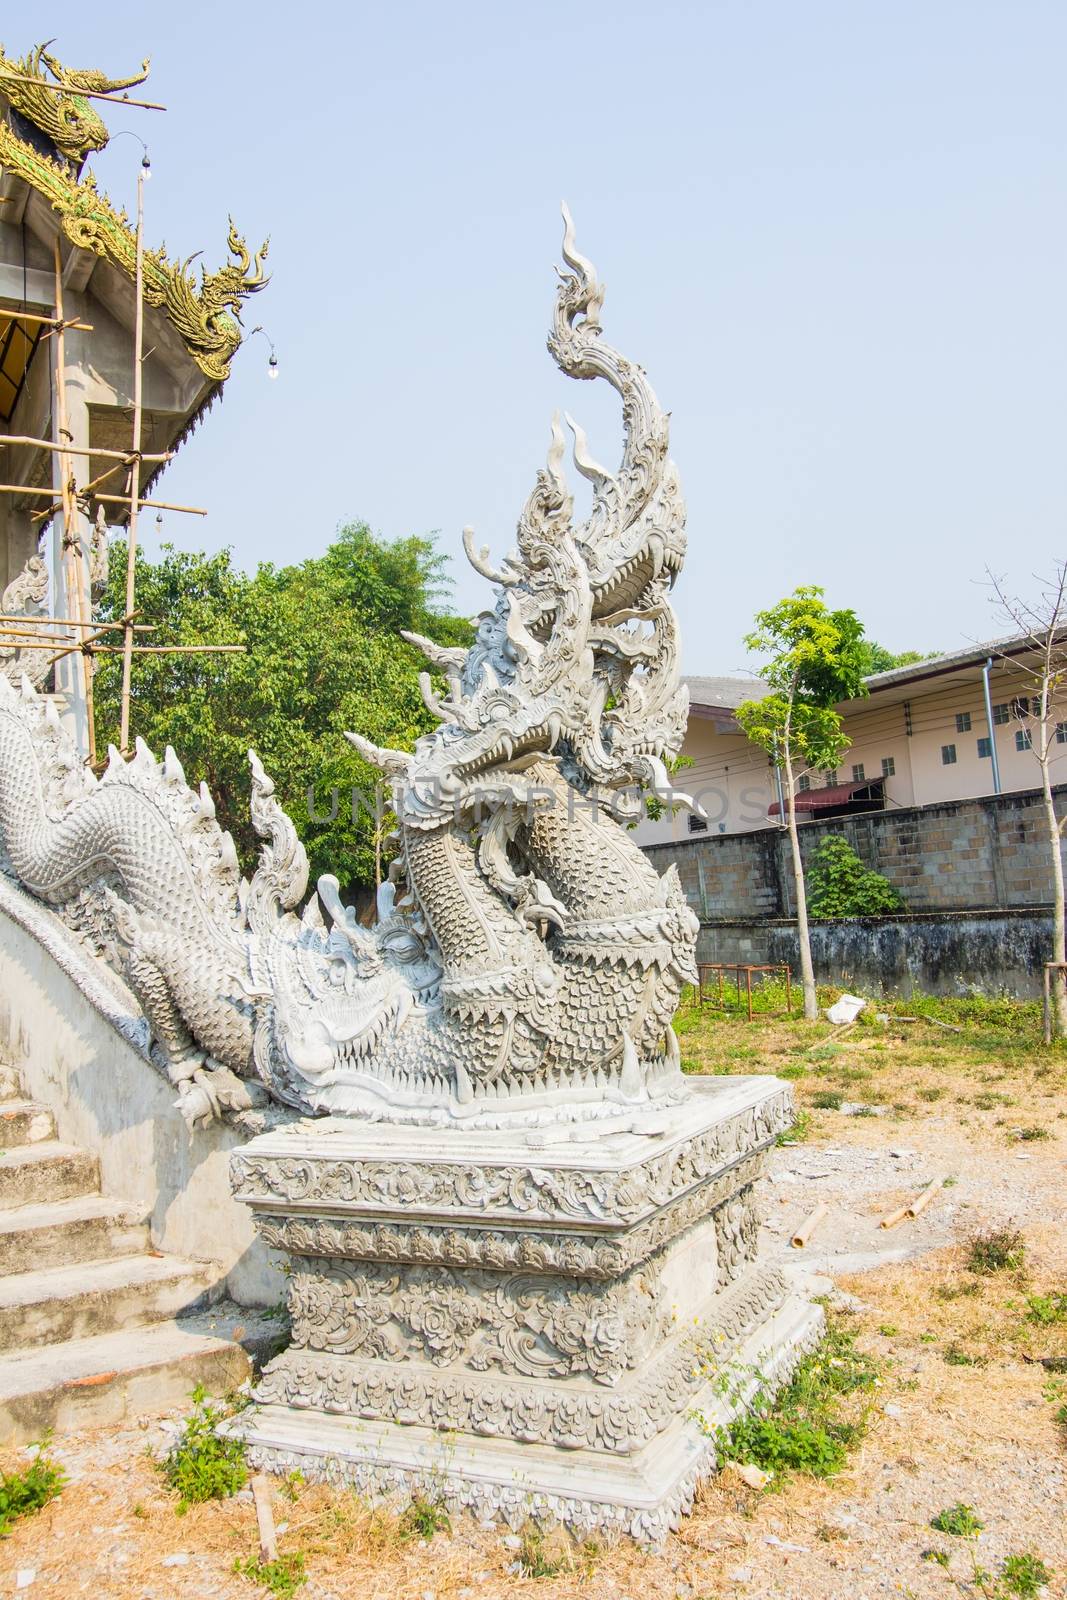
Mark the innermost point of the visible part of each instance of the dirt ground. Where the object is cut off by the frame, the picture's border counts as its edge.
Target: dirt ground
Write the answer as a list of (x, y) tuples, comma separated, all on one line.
[(965, 1411)]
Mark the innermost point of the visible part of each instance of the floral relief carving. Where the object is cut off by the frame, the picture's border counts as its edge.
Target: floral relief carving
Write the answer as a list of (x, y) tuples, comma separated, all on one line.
[(617, 1418), (518, 1324)]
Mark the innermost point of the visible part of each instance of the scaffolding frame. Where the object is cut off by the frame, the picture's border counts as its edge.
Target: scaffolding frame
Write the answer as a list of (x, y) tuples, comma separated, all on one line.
[(84, 635)]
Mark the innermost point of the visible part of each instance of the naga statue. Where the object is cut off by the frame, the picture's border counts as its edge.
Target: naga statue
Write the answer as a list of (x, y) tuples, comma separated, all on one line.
[(527, 959)]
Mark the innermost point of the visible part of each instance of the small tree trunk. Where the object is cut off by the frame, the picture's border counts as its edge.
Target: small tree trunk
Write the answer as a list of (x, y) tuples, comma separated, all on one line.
[(807, 971), (1059, 941)]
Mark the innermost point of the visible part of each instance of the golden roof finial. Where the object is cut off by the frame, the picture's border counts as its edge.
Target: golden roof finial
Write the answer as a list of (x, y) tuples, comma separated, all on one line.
[(67, 119)]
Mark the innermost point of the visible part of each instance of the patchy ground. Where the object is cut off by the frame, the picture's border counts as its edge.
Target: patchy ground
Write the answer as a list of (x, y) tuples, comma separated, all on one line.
[(971, 1348)]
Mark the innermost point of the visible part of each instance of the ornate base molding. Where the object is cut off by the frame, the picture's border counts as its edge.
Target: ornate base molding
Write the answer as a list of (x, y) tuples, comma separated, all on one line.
[(524, 1332)]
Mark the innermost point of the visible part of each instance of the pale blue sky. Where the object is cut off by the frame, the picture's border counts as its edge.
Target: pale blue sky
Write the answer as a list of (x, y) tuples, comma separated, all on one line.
[(833, 233)]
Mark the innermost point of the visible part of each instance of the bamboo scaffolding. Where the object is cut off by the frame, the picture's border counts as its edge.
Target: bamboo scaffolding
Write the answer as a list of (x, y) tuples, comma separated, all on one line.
[(20, 633), (135, 469), (166, 649), (71, 622), (109, 499), (45, 322), (85, 450), (84, 94), (84, 644), (72, 552), (156, 505)]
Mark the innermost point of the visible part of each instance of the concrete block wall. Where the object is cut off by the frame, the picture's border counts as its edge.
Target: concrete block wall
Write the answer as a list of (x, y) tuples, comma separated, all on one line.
[(962, 855)]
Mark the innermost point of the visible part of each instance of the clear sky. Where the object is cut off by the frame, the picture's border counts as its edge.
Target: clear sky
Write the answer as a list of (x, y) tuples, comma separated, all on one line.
[(833, 233)]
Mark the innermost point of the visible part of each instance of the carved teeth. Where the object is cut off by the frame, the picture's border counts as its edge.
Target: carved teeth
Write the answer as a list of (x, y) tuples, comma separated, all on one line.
[(173, 771)]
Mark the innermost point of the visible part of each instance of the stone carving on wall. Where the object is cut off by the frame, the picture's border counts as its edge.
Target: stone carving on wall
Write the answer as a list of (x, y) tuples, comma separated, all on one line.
[(527, 960), (25, 596), (523, 1324), (606, 1416), (545, 1250)]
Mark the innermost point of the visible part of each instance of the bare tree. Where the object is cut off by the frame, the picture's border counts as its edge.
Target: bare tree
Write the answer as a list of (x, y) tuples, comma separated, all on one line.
[(1043, 625)]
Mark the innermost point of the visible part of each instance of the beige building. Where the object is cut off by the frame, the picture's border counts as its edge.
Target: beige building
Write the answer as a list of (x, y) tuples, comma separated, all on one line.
[(924, 734)]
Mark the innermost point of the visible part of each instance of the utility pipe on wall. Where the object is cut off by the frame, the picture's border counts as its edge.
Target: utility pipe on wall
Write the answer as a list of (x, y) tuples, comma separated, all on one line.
[(989, 724)]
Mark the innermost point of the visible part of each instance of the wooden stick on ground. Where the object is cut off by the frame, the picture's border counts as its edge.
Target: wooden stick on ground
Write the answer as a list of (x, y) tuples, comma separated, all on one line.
[(268, 1537), (807, 1228), (921, 1202), (950, 1027), (894, 1217)]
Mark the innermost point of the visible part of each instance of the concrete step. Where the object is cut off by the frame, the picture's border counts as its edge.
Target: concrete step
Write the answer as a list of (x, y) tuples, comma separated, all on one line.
[(92, 1297), (24, 1122), (38, 1173), (88, 1228), (113, 1378)]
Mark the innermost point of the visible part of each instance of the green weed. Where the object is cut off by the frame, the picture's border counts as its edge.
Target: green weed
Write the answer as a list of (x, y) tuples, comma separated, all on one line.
[(24, 1492), (1023, 1575), (827, 1100), (201, 1465), (959, 1520), (798, 1132), (422, 1519), (283, 1576), (996, 1250), (805, 1427), (1046, 1309)]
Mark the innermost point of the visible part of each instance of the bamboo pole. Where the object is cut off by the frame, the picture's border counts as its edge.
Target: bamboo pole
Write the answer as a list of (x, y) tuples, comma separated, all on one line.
[(807, 1228), (71, 541), (72, 622), (268, 1537), (108, 499), (85, 94), (168, 649), (894, 1217), (84, 450), (135, 469), (83, 644), (156, 505), (45, 322), (921, 1201)]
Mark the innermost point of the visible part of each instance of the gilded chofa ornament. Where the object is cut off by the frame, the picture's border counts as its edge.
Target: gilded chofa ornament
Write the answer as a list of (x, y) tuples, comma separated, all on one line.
[(205, 312), (528, 958), (69, 120)]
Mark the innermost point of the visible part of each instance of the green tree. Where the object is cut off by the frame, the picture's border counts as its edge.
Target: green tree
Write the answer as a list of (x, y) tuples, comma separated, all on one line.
[(839, 885), (817, 658), (321, 656), (879, 659)]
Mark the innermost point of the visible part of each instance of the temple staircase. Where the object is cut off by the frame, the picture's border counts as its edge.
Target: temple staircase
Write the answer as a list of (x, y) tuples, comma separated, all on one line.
[(96, 1327)]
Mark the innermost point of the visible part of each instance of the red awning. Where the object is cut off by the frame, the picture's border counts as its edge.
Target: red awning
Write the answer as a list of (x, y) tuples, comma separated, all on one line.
[(838, 794)]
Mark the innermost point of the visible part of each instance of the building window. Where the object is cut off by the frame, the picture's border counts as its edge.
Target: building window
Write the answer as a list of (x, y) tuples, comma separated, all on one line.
[(907, 718), (1001, 715), (889, 766), (857, 772), (948, 755), (1061, 733), (697, 824), (963, 722), (830, 779), (1024, 739), (985, 749), (1022, 706), (803, 783)]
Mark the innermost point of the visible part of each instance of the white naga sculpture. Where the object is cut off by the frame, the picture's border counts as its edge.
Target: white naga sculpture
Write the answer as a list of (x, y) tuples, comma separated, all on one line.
[(523, 1248), (534, 960)]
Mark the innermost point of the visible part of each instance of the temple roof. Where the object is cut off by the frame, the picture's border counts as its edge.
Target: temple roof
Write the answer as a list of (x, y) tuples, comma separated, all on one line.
[(45, 138)]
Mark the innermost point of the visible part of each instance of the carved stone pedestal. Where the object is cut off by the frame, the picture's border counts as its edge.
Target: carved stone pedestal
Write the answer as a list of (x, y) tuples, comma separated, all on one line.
[(526, 1324)]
